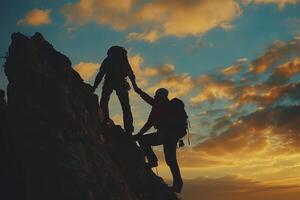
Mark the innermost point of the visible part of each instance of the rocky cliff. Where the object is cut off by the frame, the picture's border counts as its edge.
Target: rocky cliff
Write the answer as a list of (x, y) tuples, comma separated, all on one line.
[(52, 140)]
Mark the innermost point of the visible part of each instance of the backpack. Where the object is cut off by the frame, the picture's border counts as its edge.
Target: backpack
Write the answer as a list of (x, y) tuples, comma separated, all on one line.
[(178, 119), (118, 68)]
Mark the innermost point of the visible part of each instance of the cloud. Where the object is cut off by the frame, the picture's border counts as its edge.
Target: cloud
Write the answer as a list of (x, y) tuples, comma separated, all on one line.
[(262, 131), (151, 36), (156, 19), (87, 69), (264, 144), (214, 90), (281, 3), (289, 69), (241, 60), (164, 70), (237, 141), (255, 128), (279, 51), (114, 13), (268, 95), (220, 124), (281, 58), (284, 72), (236, 67), (231, 70), (227, 26), (178, 85), (193, 18), (152, 20), (136, 61), (145, 73), (36, 17)]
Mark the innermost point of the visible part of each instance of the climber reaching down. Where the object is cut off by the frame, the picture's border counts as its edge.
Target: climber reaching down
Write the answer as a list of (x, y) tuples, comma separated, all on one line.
[(116, 69)]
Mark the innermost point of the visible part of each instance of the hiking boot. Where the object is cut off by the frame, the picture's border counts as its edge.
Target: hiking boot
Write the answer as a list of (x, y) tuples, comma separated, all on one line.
[(151, 164)]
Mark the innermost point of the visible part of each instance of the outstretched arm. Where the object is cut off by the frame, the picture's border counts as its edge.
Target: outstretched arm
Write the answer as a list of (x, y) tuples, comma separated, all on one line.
[(99, 76), (138, 90), (146, 97), (131, 75)]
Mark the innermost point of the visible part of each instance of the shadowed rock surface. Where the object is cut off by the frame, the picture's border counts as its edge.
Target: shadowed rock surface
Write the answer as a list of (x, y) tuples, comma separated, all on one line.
[(52, 140)]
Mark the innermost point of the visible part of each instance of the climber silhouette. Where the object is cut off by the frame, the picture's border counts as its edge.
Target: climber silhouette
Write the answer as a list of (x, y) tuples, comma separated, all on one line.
[(116, 69), (159, 119)]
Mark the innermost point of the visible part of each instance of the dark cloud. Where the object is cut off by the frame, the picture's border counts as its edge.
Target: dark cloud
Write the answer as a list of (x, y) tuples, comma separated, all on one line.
[(267, 95), (252, 133), (284, 72), (220, 124)]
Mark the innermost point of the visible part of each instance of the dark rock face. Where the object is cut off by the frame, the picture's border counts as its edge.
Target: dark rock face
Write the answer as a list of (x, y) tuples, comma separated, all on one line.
[(54, 139)]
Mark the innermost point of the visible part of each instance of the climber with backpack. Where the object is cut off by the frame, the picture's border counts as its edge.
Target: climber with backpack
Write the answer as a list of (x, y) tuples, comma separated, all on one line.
[(159, 118), (116, 69)]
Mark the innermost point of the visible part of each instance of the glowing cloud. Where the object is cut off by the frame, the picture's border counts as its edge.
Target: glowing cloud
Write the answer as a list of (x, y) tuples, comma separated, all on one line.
[(231, 70), (155, 19), (214, 90), (289, 69), (276, 53), (87, 69), (267, 96), (181, 18), (36, 17), (143, 74), (150, 37), (106, 12), (178, 85)]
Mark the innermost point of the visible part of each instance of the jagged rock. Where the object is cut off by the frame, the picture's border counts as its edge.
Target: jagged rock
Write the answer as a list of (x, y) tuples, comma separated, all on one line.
[(54, 134)]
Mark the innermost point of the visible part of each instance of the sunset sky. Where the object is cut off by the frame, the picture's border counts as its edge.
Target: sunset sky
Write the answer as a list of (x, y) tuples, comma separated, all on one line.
[(235, 63)]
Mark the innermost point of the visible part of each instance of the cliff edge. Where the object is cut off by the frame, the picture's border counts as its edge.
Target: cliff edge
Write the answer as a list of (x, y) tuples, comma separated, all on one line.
[(54, 145)]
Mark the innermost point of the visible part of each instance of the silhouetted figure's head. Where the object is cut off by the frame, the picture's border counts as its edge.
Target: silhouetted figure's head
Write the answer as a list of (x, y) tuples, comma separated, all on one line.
[(161, 94), (116, 51)]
